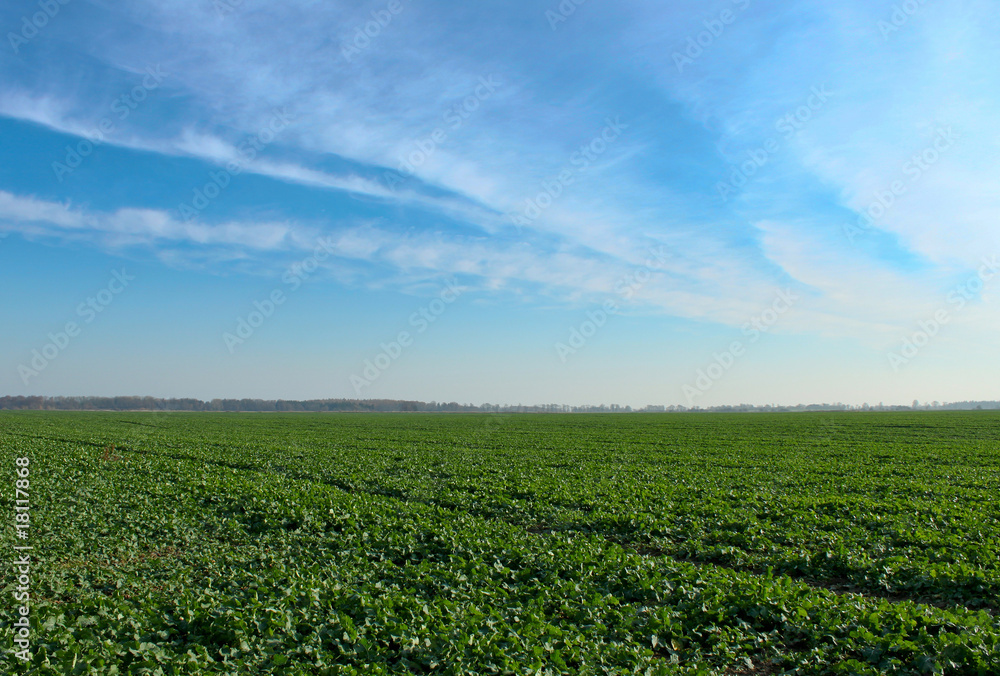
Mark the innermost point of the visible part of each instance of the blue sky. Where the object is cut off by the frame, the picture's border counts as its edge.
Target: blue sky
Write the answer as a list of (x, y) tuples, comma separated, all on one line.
[(685, 203)]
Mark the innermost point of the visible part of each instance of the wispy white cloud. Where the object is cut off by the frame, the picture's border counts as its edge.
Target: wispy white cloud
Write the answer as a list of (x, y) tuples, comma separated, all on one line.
[(567, 272), (126, 227)]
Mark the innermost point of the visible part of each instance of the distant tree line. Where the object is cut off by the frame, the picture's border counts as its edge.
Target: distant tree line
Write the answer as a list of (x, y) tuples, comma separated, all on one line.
[(396, 405), (219, 405)]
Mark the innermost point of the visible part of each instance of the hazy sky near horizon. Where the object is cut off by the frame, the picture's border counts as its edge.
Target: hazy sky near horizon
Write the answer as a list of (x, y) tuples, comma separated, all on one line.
[(581, 202)]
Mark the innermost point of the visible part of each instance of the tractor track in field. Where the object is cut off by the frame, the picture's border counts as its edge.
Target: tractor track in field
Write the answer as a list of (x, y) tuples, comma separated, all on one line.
[(836, 585)]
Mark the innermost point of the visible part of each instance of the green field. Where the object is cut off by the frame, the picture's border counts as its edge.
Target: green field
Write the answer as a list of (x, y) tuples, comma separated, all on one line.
[(837, 543)]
